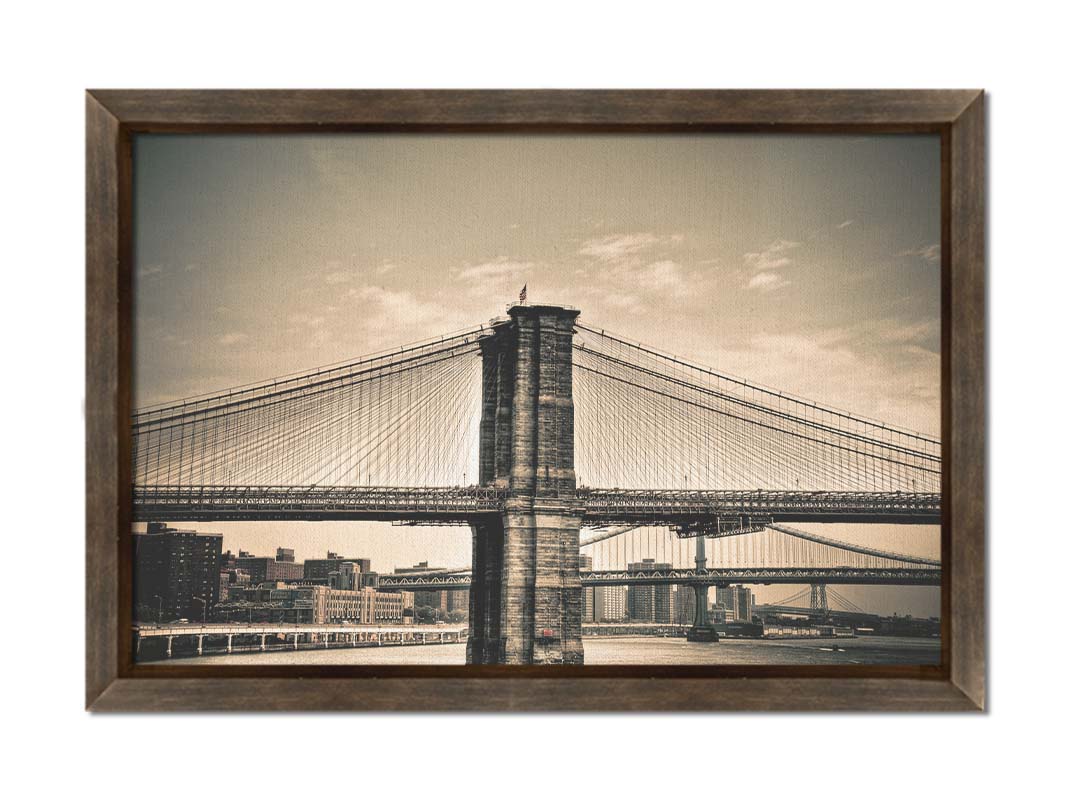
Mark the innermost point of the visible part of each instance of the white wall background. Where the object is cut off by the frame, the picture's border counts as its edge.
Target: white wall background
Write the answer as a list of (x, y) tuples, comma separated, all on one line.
[(51, 54)]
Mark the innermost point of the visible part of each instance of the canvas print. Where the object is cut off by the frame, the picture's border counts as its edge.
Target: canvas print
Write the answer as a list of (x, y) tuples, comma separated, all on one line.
[(470, 399)]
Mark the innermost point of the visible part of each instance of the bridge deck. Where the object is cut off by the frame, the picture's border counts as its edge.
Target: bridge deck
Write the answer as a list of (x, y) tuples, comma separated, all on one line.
[(889, 576), (226, 628), (459, 504)]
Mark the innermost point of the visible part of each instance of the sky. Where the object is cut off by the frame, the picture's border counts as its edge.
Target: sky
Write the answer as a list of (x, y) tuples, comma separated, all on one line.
[(809, 264)]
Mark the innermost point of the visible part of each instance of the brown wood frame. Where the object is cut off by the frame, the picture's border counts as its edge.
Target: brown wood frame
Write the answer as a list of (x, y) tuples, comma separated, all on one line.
[(114, 683)]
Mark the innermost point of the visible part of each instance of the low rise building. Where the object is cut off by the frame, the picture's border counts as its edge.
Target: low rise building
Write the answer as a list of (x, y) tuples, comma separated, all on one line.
[(314, 605), (263, 569), (318, 570), (230, 579)]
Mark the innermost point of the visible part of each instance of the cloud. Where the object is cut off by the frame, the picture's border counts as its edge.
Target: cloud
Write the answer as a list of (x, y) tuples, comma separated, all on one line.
[(619, 246), (634, 261), (502, 275), (771, 257), (150, 270), (402, 313), (192, 267), (765, 264), (931, 253), (498, 268), (899, 385), (386, 267), (338, 277), (662, 276), (846, 223), (899, 332), (767, 282), (232, 338)]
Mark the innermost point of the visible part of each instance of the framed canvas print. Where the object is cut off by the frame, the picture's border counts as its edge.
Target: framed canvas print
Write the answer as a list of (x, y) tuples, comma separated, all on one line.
[(559, 400)]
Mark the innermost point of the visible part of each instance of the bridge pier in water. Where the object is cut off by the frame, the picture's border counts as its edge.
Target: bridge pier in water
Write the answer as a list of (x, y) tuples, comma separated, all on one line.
[(526, 595), (702, 630)]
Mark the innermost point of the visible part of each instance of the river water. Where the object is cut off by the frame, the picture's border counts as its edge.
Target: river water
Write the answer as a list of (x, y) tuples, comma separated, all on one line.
[(634, 650)]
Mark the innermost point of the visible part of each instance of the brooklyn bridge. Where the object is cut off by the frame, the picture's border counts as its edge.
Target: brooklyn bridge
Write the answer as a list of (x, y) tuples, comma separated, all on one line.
[(531, 429)]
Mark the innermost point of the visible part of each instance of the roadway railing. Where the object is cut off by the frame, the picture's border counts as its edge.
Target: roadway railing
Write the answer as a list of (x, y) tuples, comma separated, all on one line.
[(873, 576), (435, 503), (673, 507), (469, 503), (768, 575)]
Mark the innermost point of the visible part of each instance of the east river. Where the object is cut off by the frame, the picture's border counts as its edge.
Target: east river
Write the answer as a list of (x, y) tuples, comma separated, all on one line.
[(633, 650)]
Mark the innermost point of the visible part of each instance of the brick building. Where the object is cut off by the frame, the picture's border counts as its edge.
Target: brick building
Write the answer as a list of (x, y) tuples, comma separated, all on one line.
[(175, 573)]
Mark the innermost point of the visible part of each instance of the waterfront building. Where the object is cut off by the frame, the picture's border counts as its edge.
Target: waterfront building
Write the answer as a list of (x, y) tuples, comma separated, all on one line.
[(318, 605), (438, 600), (459, 601), (684, 605), (585, 563), (724, 596), (265, 569), (650, 603), (738, 602), (368, 580), (175, 573), (609, 603), (317, 570), (717, 613), (346, 576), (233, 577), (746, 604), (363, 605)]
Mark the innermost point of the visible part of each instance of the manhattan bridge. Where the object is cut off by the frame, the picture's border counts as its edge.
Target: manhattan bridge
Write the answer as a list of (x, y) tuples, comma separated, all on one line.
[(529, 430)]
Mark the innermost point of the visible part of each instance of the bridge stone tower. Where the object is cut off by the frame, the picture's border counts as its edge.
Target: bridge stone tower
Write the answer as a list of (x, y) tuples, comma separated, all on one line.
[(526, 596)]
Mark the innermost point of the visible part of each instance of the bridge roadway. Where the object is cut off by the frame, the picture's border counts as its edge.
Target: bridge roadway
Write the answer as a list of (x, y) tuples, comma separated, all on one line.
[(341, 634), (805, 611), (467, 504), (867, 576), (148, 630)]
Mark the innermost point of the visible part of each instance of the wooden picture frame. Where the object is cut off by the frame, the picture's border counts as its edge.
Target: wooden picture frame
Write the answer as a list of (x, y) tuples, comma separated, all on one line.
[(115, 683)]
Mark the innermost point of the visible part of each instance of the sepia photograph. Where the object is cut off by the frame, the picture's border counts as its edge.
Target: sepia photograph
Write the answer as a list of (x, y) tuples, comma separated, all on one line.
[(536, 399)]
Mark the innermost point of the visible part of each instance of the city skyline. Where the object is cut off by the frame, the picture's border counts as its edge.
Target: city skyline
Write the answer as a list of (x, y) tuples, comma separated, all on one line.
[(388, 553)]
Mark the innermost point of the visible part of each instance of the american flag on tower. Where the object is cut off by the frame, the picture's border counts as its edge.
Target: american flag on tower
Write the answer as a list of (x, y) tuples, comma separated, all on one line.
[(522, 295)]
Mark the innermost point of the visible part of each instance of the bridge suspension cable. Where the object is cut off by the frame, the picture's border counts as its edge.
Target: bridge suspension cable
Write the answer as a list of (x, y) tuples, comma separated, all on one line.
[(776, 546), (647, 419), (855, 548), (405, 417)]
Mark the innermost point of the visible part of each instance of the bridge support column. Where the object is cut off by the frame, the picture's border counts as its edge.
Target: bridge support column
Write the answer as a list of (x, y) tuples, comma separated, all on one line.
[(483, 646), (541, 604), (526, 597), (702, 630), (200, 644), (229, 642), (170, 641), (262, 642)]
